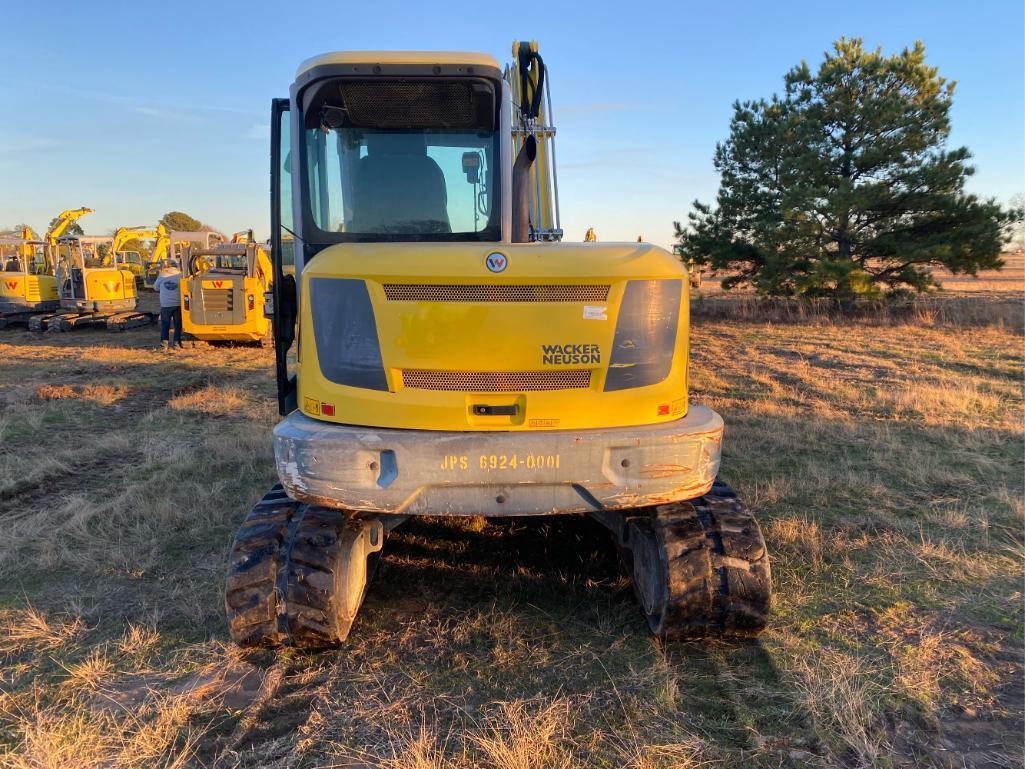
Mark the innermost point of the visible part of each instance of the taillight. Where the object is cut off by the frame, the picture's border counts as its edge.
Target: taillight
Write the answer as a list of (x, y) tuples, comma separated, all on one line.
[(251, 301), (345, 332), (645, 339), (185, 301)]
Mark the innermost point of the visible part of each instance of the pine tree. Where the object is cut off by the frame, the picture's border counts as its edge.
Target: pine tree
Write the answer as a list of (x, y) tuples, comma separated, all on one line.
[(844, 186)]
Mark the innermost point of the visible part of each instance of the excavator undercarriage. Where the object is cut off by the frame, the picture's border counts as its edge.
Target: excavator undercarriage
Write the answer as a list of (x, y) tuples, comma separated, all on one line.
[(69, 320), (298, 573)]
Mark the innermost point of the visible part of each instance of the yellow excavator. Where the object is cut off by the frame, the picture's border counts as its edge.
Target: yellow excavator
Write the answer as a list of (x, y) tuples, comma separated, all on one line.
[(94, 286), (29, 285), (440, 351), (132, 260), (223, 292), (173, 250)]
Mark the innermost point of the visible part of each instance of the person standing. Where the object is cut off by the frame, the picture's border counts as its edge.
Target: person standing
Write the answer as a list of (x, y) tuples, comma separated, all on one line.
[(168, 284)]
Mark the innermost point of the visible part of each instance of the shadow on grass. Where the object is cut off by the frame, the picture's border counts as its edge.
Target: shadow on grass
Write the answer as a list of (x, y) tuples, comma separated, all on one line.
[(537, 609)]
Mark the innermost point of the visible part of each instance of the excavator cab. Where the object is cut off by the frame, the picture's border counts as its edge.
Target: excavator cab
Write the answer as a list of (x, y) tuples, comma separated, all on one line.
[(223, 292), (132, 261)]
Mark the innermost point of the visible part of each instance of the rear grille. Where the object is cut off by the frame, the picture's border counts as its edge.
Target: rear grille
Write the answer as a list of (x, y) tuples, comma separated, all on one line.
[(217, 299), (496, 381), (421, 292), (411, 103)]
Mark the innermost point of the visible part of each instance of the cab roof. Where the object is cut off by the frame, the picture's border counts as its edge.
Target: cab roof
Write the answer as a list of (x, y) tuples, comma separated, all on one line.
[(449, 58)]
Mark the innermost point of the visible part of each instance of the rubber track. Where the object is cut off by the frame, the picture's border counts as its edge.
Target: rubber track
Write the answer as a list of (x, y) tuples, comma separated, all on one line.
[(281, 587), (718, 580), (250, 595), (69, 321), (123, 321), (41, 322)]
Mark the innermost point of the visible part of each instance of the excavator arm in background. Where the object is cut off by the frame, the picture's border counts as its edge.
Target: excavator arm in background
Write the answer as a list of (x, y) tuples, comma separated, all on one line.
[(162, 247), (172, 244), (30, 239), (64, 220), (122, 235)]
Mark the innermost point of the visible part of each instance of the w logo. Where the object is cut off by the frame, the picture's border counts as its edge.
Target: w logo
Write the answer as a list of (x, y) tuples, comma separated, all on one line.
[(496, 262), (11, 284), (218, 283)]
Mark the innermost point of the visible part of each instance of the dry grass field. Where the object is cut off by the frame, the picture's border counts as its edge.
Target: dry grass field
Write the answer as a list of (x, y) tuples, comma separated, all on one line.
[(1011, 278), (885, 460)]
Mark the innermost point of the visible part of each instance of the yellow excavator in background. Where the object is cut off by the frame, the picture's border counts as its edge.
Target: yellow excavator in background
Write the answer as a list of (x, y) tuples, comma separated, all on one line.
[(223, 291), (176, 243), (29, 285), (94, 286), (132, 260)]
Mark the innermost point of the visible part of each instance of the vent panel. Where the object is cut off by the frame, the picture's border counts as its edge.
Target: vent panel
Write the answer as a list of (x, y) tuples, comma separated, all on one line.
[(413, 103), (421, 292), (218, 299), (496, 381)]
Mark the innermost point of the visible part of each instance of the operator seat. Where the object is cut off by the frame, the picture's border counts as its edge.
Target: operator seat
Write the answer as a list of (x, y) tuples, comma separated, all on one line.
[(398, 188)]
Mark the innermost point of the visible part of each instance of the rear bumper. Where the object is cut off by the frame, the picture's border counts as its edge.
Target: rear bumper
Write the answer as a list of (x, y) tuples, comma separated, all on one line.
[(222, 332), (497, 473), (204, 335)]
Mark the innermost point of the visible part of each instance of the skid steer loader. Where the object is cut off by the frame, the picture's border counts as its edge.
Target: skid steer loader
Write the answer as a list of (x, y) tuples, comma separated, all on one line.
[(223, 292), (455, 358)]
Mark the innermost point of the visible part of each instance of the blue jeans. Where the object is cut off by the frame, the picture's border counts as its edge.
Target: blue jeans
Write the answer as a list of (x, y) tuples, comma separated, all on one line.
[(167, 314)]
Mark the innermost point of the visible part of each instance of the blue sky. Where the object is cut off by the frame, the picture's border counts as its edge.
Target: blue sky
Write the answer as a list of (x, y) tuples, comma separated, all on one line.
[(134, 112)]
